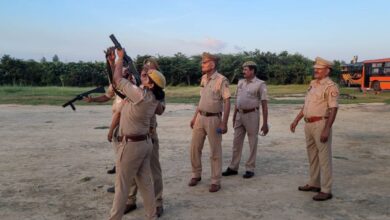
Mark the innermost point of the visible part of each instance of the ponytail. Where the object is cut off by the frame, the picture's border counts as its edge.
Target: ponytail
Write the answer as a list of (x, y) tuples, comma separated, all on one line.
[(158, 92)]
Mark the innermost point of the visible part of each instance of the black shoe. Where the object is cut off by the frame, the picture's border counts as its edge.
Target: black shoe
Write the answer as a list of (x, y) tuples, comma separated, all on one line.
[(248, 174), (214, 188), (112, 171), (322, 196), (130, 208), (111, 189), (308, 188), (229, 172), (159, 211), (194, 181)]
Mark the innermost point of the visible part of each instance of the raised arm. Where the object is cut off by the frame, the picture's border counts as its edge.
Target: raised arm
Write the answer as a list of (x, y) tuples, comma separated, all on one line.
[(118, 68), (132, 92)]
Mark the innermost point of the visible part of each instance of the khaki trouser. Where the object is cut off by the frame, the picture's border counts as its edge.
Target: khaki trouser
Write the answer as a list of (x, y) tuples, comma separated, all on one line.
[(320, 156), (207, 126), (115, 142), (133, 186), (133, 162), (156, 174), (245, 123)]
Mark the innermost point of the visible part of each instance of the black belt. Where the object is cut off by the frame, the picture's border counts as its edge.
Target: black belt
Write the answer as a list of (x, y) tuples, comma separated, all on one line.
[(244, 111), (133, 138), (209, 114)]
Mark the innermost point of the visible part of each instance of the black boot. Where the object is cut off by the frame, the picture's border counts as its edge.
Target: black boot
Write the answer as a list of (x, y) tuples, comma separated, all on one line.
[(248, 174), (229, 172), (130, 208), (112, 171), (111, 189)]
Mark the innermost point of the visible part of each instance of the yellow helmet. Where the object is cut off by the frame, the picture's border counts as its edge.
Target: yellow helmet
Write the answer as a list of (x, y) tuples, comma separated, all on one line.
[(158, 78)]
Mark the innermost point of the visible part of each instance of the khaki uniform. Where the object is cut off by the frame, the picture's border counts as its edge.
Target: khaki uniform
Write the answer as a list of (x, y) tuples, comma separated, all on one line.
[(155, 168), (249, 96), (117, 106), (118, 101), (133, 158), (212, 94), (321, 96)]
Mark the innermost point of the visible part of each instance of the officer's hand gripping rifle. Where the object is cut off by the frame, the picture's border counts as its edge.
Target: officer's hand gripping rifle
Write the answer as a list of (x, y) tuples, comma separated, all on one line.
[(109, 72), (127, 61), (82, 95)]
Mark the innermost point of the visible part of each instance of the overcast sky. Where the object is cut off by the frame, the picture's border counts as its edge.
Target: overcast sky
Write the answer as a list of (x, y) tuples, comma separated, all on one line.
[(79, 30)]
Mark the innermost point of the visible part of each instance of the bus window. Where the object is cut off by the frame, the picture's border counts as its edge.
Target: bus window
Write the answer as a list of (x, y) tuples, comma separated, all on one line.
[(386, 71), (375, 71)]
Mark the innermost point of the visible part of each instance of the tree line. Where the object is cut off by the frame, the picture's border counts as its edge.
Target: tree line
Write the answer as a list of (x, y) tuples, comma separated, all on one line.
[(179, 69)]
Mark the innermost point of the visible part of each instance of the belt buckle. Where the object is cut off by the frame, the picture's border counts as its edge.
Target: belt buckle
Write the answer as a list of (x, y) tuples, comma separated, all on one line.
[(306, 120), (241, 111)]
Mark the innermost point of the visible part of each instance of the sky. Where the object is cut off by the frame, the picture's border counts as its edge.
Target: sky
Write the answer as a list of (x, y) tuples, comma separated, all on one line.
[(79, 30)]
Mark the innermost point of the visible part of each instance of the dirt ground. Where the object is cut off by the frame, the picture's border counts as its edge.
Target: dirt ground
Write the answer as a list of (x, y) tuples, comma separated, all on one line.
[(53, 166)]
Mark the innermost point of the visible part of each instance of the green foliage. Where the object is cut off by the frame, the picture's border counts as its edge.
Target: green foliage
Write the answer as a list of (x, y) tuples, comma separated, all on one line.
[(179, 69), (56, 58), (31, 73)]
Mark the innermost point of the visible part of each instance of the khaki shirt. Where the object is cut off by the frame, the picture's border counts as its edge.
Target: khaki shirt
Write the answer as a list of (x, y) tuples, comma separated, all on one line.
[(118, 101), (153, 121), (249, 94), (137, 111), (212, 93), (321, 96)]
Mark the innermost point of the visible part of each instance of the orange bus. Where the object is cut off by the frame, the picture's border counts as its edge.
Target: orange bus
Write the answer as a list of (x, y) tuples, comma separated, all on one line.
[(376, 74), (351, 74)]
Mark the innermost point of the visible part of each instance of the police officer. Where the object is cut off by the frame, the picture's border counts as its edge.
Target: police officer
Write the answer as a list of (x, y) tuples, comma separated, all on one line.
[(209, 121), (116, 105), (151, 64), (319, 113), (251, 93), (133, 156)]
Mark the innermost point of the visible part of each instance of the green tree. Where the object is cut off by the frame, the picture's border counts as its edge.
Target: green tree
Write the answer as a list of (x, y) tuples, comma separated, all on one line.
[(56, 58)]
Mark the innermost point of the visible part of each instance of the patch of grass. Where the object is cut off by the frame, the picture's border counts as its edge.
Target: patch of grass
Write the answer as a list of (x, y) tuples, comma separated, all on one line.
[(369, 97), (50, 95), (291, 101), (174, 94), (282, 90)]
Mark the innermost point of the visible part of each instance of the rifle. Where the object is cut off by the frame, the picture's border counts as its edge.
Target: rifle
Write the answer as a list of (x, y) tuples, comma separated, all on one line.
[(127, 61), (82, 95), (109, 72)]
